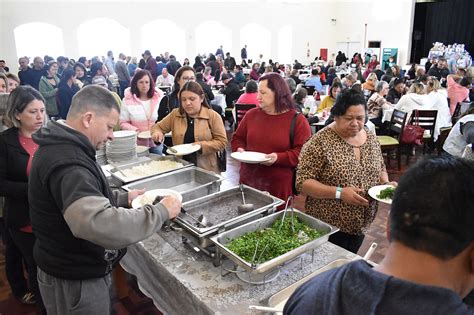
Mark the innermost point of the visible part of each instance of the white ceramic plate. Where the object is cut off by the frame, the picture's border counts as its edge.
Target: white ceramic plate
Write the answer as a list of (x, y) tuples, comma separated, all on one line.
[(250, 157), (185, 149), (149, 196), (374, 191), (124, 133), (144, 134), (141, 149)]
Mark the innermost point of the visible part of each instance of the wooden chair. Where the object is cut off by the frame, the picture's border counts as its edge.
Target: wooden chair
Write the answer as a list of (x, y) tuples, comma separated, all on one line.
[(456, 114), (240, 111), (443, 135), (426, 119), (388, 143)]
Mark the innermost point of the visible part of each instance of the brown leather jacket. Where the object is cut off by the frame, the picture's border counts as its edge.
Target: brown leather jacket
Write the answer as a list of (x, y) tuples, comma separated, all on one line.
[(209, 132)]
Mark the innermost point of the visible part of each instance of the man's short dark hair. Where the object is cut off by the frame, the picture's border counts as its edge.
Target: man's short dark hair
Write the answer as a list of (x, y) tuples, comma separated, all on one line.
[(314, 72), (466, 82), (93, 98), (95, 67), (62, 59), (397, 81), (251, 86), (432, 210), (199, 76)]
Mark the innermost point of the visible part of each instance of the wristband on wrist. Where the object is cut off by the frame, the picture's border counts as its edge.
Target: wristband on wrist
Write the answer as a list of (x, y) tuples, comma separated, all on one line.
[(338, 192)]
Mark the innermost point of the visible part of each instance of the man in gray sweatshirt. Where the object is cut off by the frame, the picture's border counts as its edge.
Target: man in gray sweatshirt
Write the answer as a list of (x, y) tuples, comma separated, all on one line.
[(82, 227)]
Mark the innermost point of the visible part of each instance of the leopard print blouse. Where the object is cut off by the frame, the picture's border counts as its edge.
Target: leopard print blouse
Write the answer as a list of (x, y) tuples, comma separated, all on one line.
[(327, 158)]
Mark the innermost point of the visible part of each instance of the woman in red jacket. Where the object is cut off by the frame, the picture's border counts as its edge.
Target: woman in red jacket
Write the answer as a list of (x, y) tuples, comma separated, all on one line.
[(266, 129)]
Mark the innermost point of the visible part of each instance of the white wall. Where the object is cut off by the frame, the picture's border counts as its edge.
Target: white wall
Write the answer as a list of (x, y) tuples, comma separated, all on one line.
[(389, 21)]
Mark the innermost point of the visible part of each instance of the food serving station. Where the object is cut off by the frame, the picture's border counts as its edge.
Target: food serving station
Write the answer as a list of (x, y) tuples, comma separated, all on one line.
[(188, 268)]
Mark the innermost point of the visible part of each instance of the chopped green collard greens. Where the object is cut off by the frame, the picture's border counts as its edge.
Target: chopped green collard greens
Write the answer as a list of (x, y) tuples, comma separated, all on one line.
[(386, 193), (279, 241)]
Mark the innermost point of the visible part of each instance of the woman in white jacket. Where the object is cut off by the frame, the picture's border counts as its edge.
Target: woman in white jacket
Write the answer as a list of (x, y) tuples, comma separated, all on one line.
[(414, 99), (439, 102)]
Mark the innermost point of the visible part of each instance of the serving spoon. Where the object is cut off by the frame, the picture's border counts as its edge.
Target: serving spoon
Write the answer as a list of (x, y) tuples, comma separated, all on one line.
[(244, 207)]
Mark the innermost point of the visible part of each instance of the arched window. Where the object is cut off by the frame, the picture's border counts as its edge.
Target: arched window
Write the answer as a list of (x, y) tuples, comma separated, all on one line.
[(160, 36), (258, 41), (38, 39), (210, 35), (285, 44), (96, 37)]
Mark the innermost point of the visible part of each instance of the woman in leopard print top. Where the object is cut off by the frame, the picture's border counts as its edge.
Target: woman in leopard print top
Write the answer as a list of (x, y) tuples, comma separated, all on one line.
[(337, 167)]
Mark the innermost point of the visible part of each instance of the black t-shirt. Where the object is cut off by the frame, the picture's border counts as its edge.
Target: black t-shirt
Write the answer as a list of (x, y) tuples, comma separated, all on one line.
[(189, 138)]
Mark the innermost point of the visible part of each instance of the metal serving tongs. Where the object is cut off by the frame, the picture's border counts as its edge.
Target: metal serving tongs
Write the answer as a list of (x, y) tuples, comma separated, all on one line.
[(290, 199), (117, 169), (256, 259)]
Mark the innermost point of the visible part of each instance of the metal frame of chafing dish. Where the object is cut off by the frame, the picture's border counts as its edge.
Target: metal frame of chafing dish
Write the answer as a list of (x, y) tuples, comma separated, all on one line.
[(202, 234), (146, 160), (168, 179), (222, 239)]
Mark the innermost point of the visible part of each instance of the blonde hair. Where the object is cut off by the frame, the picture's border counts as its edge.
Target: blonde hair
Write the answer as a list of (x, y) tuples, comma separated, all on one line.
[(417, 88), (3, 109), (433, 85), (372, 77)]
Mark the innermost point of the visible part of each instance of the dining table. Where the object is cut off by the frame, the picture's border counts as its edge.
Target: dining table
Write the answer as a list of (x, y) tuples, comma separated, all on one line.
[(219, 100), (180, 280)]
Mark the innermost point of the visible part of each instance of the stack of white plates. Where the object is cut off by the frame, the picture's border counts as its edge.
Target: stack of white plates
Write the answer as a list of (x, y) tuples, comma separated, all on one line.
[(100, 156), (123, 147)]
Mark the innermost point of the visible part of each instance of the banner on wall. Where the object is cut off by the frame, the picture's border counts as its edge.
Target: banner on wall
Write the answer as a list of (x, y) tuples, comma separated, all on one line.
[(323, 52), (387, 53)]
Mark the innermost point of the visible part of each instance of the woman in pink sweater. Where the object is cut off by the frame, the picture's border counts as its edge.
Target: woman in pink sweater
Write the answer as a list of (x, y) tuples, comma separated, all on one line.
[(139, 109), (458, 90), (250, 95)]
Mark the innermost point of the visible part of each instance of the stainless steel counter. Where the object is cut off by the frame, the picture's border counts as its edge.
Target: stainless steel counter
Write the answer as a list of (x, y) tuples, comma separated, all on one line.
[(181, 281)]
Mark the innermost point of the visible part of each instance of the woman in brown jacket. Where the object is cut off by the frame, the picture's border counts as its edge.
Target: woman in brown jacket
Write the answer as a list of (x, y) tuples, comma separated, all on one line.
[(194, 122)]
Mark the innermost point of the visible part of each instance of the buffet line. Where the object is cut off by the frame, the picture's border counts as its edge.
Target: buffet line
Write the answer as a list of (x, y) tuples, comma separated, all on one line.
[(214, 231)]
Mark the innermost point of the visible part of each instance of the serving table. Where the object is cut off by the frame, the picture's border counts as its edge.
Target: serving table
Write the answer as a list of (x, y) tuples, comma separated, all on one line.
[(180, 280)]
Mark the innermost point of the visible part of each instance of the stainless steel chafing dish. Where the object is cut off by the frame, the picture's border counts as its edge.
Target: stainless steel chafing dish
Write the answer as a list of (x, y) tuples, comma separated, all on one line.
[(278, 300), (145, 160), (221, 210), (223, 238), (192, 182)]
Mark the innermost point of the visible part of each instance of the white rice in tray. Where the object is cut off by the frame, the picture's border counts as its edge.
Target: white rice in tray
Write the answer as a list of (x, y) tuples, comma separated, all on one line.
[(154, 167)]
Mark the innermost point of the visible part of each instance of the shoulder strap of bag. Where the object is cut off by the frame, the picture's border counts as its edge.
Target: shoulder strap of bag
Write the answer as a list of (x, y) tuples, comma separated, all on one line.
[(292, 129)]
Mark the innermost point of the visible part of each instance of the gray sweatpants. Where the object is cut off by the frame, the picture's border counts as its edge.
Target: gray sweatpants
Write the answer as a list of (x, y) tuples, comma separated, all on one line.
[(75, 297)]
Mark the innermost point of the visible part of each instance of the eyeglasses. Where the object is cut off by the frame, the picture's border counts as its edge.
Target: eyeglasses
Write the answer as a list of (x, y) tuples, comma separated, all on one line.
[(188, 78)]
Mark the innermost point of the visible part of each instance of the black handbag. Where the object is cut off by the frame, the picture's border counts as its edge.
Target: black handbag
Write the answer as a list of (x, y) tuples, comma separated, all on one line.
[(292, 135), (222, 160)]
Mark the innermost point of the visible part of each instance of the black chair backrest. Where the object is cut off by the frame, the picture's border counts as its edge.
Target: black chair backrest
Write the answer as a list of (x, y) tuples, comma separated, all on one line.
[(240, 111), (426, 119), (310, 89), (456, 114), (397, 122)]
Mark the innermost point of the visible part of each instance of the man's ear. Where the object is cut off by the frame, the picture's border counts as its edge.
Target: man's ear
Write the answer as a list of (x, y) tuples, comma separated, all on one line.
[(87, 119)]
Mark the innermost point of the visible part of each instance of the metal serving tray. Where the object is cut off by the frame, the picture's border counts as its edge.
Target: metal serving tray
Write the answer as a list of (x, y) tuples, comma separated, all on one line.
[(223, 238), (220, 208), (279, 299), (192, 182), (145, 160)]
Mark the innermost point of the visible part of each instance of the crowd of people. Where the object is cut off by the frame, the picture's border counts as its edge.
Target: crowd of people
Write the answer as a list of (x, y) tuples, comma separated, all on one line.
[(57, 112)]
